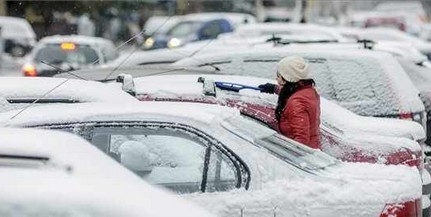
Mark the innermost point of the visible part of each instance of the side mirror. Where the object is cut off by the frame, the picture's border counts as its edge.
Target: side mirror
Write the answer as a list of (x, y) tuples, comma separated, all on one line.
[(127, 83)]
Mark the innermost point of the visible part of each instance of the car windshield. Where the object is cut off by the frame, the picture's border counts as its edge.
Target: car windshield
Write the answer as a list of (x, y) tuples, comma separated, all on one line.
[(286, 149), (184, 29), (54, 54)]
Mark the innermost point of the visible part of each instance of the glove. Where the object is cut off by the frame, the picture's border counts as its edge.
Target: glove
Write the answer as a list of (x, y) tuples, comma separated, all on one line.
[(267, 88)]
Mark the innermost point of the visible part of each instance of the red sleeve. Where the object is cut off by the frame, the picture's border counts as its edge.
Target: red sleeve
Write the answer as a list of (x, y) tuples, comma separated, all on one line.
[(298, 121)]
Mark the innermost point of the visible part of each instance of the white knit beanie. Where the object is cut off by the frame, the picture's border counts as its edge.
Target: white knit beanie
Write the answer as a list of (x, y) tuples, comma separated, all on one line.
[(293, 68)]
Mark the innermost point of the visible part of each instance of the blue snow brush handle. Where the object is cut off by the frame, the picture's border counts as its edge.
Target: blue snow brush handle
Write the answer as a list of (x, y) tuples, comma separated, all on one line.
[(233, 86)]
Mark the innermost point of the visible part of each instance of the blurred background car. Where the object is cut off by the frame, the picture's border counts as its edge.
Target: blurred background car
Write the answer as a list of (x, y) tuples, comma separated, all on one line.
[(18, 36), (38, 167), (58, 53), (196, 27)]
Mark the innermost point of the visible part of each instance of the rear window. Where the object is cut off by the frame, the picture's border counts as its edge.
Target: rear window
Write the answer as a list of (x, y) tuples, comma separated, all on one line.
[(54, 54), (360, 86)]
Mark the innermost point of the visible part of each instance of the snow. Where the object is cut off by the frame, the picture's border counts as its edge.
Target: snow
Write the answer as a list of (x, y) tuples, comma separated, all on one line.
[(59, 88), (317, 199), (134, 155)]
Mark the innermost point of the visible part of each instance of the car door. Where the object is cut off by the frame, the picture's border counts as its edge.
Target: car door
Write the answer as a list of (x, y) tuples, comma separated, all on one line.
[(175, 156)]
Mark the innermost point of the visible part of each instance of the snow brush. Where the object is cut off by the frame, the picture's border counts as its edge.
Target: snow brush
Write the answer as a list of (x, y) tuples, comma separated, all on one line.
[(233, 86), (226, 85)]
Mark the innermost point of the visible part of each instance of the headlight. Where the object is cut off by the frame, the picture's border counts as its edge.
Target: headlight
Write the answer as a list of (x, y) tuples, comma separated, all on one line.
[(174, 42), (149, 43)]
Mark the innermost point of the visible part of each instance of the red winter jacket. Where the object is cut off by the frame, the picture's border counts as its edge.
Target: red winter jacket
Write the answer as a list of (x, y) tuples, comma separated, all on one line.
[(300, 119)]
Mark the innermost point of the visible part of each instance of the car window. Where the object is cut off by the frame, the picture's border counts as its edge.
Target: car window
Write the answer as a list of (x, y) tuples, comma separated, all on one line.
[(212, 30), (184, 29), (172, 156), (169, 161), (78, 54)]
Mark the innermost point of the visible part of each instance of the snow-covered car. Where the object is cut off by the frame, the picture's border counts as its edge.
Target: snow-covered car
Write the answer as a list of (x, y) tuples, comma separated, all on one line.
[(18, 36), (229, 164), (341, 75), (20, 92), (412, 13), (62, 53), (51, 173)]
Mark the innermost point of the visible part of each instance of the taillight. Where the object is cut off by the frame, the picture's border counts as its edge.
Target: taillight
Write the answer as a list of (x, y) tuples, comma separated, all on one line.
[(406, 209), (406, 116), (29, 70), (416, 117)]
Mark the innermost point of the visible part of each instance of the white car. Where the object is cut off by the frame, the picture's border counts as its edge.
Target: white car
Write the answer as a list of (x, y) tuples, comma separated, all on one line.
[(51, 173), (229, 164), (18, 36), (59, 53)]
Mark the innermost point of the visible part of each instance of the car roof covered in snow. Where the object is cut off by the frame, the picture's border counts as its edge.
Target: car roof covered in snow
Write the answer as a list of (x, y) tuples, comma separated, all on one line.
[(78, 39), (26, 89), (113, 111)]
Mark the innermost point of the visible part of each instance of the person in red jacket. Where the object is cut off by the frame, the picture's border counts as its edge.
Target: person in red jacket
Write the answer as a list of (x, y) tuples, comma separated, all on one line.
[(298, 106)]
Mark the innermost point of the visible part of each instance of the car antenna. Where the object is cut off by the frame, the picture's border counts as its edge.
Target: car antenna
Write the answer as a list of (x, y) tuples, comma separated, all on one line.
[(61, 83)]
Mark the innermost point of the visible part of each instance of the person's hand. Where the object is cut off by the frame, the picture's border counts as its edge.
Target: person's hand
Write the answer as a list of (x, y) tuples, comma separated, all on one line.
[(267, 88)]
